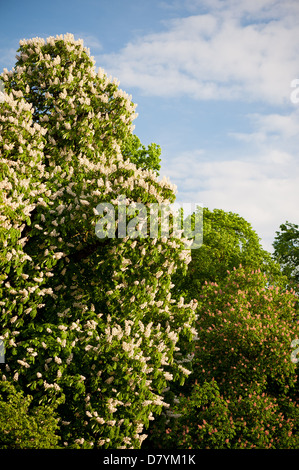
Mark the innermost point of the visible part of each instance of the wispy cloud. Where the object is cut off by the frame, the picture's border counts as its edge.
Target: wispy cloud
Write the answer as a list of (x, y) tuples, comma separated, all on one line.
[(220, 54), (273, 129), (228, 50), (262, 185), (90, 41)]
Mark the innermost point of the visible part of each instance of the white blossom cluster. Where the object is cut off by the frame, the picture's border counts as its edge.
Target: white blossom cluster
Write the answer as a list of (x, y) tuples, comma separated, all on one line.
[(88, 324)]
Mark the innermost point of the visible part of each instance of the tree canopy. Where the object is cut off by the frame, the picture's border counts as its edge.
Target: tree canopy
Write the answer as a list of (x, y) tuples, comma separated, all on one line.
[(23, 426), (89, 324), (228, 241), (286, 252), (243, 390), (109, 338)]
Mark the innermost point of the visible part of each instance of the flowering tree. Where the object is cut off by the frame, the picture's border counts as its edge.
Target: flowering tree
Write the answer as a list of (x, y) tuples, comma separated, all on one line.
[(243, 391), (88, 324)]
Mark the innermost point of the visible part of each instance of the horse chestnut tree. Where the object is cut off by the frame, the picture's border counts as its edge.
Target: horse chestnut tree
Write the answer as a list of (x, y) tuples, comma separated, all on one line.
[(89, 325)]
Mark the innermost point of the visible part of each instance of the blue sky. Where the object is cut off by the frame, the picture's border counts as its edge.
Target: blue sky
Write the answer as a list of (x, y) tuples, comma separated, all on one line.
[(213, 83)]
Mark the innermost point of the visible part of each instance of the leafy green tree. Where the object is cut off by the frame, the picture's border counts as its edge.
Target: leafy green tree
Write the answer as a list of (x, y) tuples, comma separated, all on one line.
[(23, 427), (146, 158), (286, 252), (89, 324), (243, 391), (228, 241)]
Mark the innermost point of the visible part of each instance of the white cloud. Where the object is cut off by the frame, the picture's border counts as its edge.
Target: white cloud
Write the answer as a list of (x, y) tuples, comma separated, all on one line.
[(264, 191), (262, 185), (272, 129), (284, 126), (215, 55), (248, 9)]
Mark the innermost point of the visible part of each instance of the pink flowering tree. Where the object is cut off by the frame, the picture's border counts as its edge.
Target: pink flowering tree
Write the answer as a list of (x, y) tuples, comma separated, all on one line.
[(243, 391), (89, 324)]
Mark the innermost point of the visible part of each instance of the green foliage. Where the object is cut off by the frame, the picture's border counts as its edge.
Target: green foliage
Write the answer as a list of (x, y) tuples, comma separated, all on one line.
[(99, 333), (243, 390), (286, 252), (24, 427), (89, 325), (228, 241), (146, 158)]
